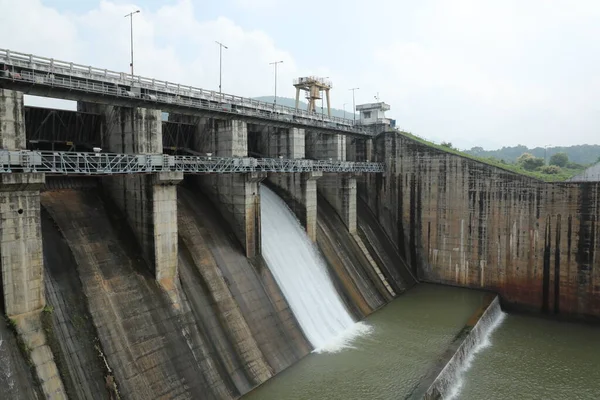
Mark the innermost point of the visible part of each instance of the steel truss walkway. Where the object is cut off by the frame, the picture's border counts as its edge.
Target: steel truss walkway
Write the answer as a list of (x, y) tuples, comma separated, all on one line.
[(19, 70), (77, 163)]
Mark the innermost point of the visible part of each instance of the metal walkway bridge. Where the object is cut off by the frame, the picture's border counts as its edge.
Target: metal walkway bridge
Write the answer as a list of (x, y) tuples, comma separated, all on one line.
[(42, 76), (78, 163)]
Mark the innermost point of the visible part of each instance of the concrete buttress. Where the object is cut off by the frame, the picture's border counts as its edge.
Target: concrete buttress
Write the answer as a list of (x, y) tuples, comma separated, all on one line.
[(149, 202), (299, 189), (338, 189), (21, 255), (236, 195)]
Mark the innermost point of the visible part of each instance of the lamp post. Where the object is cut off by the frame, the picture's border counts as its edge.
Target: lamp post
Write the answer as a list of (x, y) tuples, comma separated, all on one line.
[(345, 110), (353, 105), (221, 45), (274, 63), (130, 15)]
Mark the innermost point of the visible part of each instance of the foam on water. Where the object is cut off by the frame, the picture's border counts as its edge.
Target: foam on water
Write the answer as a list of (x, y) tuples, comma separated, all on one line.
[(301, 273), (450, 381)]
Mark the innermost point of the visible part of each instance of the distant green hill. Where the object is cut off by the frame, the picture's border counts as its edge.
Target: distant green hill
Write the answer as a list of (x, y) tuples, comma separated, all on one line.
[(288, 102), (581, 154)]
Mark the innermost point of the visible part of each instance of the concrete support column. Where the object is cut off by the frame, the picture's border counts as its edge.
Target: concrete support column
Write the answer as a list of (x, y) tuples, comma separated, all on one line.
[(231, 138), (298, 190), (359, 149), (149, 202), (338, 189), (21, 249), (165, 234), (309, 200), (21, 243), (12, 120), (238, 198), (286, 142), (236, 195), (347, 200), (325, 146)]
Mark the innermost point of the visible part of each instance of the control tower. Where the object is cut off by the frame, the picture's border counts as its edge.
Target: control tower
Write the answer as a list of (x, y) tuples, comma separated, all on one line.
[(313, 86)]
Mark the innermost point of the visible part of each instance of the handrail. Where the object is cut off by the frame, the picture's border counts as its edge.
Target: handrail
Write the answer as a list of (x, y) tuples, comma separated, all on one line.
[(106, 89), (87, 163), (53, 66)]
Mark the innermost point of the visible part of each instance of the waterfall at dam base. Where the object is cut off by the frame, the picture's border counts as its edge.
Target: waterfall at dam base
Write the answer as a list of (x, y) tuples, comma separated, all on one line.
[(301, 273)]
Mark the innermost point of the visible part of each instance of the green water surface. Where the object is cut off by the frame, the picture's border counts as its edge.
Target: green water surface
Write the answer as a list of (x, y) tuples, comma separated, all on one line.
[(409, 336), (535, 358)]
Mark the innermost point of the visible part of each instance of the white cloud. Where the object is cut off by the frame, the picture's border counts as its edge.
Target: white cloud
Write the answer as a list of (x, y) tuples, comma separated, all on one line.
[(258, 3), (467, 71), (169, 44)]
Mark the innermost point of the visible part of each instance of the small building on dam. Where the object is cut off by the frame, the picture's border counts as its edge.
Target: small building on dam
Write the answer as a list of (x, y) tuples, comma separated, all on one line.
[(134, 252)]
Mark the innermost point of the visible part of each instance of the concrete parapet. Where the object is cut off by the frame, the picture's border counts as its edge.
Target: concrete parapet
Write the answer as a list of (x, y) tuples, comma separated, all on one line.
[(12, 120)]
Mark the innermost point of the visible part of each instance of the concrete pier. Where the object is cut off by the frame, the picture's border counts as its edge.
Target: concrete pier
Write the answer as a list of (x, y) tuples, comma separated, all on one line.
[(299, 190), (338, 189), (149, 202), (21, 243), (12, 120), (359, 149), (21, 255), (236, 195)]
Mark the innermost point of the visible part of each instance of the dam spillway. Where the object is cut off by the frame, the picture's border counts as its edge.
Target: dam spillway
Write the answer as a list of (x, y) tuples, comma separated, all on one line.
[(158, 279), (301, 273)]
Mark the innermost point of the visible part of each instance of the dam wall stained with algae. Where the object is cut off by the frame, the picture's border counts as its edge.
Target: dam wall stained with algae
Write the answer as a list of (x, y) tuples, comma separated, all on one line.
[(461, 222), (156, 288)]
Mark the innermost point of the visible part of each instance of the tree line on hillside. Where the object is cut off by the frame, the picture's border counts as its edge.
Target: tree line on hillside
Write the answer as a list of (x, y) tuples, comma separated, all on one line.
[(580, 154), (558, 167)]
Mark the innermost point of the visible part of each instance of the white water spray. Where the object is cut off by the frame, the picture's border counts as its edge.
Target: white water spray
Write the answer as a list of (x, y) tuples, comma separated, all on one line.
[(450, 381), (301, 273)]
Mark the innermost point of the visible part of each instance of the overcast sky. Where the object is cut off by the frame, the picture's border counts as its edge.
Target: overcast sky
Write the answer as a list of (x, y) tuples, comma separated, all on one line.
[(472, 72)]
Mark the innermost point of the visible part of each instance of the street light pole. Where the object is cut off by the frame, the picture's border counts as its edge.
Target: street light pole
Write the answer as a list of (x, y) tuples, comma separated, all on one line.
[(221, 45), (130, 15), (354, 106), (345, 110), (274, 63)]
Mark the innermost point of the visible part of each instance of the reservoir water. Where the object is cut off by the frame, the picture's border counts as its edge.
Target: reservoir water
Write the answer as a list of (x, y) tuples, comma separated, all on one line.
[(535, 358), (408, 337)]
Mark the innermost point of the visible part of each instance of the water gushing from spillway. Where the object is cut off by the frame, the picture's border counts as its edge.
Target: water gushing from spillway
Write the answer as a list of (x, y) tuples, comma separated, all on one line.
[(301, 273), (449, 382)]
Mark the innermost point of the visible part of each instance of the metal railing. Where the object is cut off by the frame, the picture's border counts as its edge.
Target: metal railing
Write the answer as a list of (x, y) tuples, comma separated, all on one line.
[(82, 163), (56, 73)]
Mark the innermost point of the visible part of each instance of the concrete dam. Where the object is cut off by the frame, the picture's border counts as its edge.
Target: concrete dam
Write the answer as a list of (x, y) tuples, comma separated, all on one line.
[(202, 255)]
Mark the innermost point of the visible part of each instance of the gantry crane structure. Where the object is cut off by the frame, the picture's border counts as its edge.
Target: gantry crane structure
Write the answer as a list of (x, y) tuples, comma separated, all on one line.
[(313, 86)]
